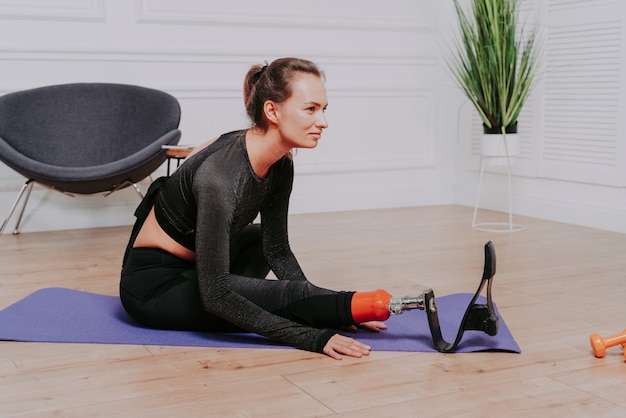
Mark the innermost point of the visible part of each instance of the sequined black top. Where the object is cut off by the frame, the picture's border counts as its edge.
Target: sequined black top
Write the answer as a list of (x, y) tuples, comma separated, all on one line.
[(211, 197)]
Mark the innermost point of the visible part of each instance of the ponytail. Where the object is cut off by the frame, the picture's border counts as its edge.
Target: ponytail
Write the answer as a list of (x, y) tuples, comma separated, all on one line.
[(272, 82)]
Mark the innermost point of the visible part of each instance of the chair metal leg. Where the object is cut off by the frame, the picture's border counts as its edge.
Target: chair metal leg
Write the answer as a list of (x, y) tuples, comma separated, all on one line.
[(138, 190), (123, 185), (25, 193), (27, 187), (19, 219)]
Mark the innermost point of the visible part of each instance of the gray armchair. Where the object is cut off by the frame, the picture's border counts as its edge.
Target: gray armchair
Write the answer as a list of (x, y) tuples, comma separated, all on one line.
[(85, 138)]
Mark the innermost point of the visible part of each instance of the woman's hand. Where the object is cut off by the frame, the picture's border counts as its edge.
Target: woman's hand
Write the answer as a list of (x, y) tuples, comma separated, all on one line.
[(338, 345), (374, 326)]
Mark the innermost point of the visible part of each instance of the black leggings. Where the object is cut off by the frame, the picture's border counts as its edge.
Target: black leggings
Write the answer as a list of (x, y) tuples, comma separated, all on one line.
[(160, 290)]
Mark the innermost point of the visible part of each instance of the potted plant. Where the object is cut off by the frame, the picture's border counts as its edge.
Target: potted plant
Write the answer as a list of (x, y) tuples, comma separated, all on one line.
[(495, 64)]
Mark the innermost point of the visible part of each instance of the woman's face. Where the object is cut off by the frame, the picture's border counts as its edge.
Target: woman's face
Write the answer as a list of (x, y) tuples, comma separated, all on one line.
[(301, 118)]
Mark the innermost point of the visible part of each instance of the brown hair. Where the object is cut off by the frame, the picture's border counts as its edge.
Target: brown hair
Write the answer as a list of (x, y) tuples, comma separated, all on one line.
[(272, 82)]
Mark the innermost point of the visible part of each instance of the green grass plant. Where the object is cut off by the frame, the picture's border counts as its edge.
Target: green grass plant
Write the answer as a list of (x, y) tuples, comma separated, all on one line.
[(495, 61)]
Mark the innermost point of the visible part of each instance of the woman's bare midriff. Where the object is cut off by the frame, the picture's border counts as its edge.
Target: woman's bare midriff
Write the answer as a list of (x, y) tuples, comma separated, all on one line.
[(152, 235)]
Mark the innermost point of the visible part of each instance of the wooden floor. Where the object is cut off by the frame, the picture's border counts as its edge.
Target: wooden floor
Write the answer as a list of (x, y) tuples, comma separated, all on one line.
[(555, 285)]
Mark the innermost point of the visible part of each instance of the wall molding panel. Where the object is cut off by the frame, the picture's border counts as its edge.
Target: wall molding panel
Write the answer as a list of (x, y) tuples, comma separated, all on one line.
[(286, 15), (378, 152), (399, 132), (42, 10), (186, 54)]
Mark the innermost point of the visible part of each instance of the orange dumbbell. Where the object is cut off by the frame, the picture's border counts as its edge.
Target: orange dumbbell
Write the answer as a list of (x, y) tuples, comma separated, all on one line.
[(599, 344)]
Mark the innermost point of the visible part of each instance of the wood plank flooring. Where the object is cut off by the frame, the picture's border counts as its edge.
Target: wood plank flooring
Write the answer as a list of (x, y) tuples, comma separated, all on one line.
[(555, 285)]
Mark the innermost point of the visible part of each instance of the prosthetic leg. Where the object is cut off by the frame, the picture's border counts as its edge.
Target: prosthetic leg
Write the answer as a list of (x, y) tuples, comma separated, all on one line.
[(379, 305)]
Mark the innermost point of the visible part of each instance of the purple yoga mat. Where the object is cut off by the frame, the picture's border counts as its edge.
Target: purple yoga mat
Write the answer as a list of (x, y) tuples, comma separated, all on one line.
[(70, 316)]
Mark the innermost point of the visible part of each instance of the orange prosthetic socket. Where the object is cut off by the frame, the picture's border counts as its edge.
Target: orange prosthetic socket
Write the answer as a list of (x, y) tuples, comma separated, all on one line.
[(370, 306)]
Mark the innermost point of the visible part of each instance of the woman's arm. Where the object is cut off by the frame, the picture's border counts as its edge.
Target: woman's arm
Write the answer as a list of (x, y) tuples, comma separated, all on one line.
[(274, 214), (215, 202)]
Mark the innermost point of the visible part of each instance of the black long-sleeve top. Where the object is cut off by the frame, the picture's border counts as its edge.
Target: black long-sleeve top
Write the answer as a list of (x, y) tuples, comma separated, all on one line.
[(211, 197)]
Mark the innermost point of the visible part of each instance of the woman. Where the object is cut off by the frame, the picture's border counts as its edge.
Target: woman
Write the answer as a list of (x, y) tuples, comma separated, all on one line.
[(196, 261)]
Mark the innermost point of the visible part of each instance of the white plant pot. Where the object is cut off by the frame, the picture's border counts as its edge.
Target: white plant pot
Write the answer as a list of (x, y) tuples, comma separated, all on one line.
[(496, 147)]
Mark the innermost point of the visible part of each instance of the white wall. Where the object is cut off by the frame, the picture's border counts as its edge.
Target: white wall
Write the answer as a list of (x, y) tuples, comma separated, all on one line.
[(383, 145), (400, 134)]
